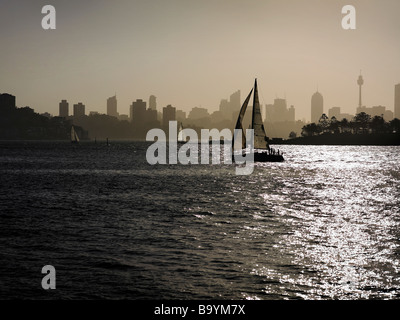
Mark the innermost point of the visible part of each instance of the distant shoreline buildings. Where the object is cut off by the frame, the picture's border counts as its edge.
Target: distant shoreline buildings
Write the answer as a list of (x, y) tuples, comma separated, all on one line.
[(279, 119), (153, 102), (24, 124), (64, 109), (317, 106), (79, 110), (279, 112), (7, 101), (275, 115), (112, 106), (397, 101), (317, 110)]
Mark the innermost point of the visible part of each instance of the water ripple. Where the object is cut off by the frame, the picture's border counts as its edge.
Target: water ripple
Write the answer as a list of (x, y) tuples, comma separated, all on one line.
[(324, 224)]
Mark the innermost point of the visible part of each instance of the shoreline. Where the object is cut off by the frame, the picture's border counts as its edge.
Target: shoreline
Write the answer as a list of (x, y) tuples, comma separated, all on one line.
[(383, 139)]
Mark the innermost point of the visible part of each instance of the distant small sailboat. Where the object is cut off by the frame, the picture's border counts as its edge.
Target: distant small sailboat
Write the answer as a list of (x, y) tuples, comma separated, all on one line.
[(261, 149), (74, 136), (180, 134)]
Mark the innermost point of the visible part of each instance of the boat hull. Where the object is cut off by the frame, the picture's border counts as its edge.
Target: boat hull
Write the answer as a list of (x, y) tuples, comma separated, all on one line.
[(264, 157)]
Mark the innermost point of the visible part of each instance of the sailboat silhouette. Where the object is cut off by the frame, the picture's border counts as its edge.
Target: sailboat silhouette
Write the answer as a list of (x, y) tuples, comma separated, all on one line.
[(261, 149), (74, 136)]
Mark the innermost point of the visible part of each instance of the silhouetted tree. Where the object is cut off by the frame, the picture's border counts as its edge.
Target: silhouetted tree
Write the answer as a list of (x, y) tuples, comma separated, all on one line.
[(344, 125), (394, 125), (378, 125), (361, 122), (324, 123), (310, 130), (334, 125)]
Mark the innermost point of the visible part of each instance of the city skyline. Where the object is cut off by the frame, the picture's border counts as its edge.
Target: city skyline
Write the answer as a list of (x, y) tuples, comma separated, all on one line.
[(192, 54), (269, 114), (276, 112)]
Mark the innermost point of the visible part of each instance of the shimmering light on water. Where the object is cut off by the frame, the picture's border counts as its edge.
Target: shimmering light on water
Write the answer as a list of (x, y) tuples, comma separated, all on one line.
[(324, 224)]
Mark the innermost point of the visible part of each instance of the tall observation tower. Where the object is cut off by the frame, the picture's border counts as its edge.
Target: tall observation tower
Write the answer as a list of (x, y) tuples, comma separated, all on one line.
[(360, 82)]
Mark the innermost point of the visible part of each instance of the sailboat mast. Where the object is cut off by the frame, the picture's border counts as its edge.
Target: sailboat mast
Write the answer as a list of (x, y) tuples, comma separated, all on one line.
[(255, 103), (260, 139), (259, 142)]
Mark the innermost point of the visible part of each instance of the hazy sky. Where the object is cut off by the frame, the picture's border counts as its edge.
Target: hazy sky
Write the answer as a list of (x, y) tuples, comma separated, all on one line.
[(194, 53)]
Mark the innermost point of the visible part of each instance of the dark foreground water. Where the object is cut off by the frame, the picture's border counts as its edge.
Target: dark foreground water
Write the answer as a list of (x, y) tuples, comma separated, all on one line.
[(324, 224)]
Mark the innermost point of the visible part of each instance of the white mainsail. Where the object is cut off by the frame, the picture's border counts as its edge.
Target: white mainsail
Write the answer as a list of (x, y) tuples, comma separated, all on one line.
[(260, 138)]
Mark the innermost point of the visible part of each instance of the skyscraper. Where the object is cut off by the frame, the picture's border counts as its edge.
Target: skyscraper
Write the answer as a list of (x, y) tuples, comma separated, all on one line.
[(7, 101), (112, 106), (79, 109), (138, 109), (64, 108), (317, 107), (234, 101), (334, 112), (280, 107), (153, 102), (231, 107), (291, 114), (169, 114), (397, 101), (278, 112)]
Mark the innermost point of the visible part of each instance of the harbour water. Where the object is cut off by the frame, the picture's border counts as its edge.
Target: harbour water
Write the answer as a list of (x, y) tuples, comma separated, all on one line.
[(324, 224)]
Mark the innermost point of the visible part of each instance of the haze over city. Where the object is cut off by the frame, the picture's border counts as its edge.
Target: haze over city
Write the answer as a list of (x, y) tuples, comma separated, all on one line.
[(195, 53), (199, 158)]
